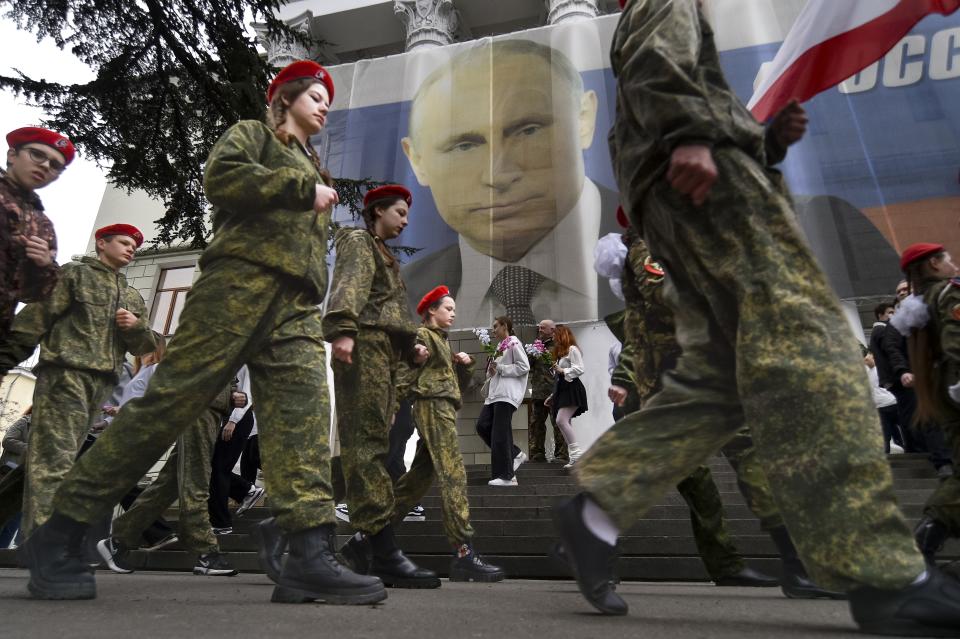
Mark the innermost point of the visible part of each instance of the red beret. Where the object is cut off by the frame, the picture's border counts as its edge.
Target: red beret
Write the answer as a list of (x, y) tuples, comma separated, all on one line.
[(36, 135), (622, 219), (436, 294), (916, 252), (390, 190), (301, 70), (121, 229)]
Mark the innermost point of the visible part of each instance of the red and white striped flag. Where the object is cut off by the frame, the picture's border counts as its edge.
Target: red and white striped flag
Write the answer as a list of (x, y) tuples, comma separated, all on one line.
[(833, 40)]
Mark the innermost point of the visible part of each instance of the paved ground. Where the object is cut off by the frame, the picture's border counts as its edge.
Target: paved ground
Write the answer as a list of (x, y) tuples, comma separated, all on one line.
[(178, 605)]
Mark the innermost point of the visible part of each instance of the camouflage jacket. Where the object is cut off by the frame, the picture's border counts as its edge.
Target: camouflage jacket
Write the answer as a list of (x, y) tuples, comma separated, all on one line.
[(367, 292), (20, 279), (76, 326), (670, 92), (438, 377), (943, 300), (649, 345), (262, 193), (541, 375)]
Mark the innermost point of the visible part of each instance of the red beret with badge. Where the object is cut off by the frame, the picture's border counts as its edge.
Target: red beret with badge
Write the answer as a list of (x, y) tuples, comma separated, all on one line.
[(435, 295), (388, 191), (38, 135), (120, 229), (916, 252), (301, 70)]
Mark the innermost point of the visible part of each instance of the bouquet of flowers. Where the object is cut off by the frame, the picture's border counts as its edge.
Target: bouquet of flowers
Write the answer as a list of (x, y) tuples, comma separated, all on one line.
[(484, 336), (540, 352)]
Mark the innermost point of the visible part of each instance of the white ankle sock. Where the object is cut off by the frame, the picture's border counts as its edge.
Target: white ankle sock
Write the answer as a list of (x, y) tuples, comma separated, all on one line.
[(599, 523)]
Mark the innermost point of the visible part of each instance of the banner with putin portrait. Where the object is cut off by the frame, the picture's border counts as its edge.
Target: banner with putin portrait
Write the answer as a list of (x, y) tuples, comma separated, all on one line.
[(503, 143)]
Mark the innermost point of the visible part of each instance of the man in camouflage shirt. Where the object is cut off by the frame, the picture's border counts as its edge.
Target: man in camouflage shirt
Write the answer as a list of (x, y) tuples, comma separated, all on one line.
[(28, 243), (542, 380), (84, 328), (693, 168)]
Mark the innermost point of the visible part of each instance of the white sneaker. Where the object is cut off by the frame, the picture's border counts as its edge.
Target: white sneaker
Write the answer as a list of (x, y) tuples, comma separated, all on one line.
[(519, 459), (250, 500), (503, 482), (342, 512), (895, 449)]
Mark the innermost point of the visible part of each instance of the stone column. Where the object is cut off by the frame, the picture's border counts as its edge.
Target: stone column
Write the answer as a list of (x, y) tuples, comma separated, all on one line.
[(429, 23), (566, 10), (280, 53)]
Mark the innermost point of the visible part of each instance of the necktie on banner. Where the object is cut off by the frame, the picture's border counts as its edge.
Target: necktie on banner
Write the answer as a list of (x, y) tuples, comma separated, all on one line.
[(833, 40), (514, 287)]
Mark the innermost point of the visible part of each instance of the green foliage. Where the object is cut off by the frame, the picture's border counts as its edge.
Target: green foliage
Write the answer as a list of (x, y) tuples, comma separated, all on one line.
[(172, 75)]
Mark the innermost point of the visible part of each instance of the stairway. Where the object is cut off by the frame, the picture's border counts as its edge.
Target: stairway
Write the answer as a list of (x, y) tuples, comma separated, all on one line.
[(513, 527)]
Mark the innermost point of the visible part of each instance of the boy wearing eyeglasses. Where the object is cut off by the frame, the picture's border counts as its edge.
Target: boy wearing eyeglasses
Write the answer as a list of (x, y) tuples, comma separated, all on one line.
[(28, 243)]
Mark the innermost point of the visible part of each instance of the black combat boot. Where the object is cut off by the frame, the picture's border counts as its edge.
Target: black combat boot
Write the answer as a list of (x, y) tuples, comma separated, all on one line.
[(930, 535), (467, 565), (591, 559), (747, 577), (930, 608), (54, 553), (358, 554), (271, 544), (312, 573), (795, 583), (393, 567)]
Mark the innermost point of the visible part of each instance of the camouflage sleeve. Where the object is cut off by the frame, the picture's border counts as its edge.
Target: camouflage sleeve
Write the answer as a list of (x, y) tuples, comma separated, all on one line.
[(140, 339), (949, 311), (39, 281), (624, 375), (658, 78), (465, 375), (15, 439), (774, 152), (234, 178), (352, 279), (33, 322)]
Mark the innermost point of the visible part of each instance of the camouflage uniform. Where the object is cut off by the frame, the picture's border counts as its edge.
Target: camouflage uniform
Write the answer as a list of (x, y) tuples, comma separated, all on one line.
[(541, 386), (81, 352), (436, 388), (943, 300), (185, 478), (743, 283), (368, 302), (255, 303), (22, 280)]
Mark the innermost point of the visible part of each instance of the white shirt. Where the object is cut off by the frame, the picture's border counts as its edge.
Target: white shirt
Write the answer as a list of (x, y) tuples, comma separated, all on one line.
[(881, 396), (243, 385), (509, 383), (564, 256), (571, 364), (613, 357)]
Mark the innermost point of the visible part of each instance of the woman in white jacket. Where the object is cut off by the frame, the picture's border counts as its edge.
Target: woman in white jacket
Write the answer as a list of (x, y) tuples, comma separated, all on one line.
[(507, 384), (569, 397)]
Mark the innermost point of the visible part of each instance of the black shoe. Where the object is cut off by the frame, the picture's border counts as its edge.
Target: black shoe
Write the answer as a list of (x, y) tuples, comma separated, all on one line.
[(930, 535), (214, 564), (748, 578), (116, 555), (794, 582), (928, 609), (271, 544), (54, 555), (591, 559), (471, 567), (357, 554), (312, 573), (395, 568), (538, 458)]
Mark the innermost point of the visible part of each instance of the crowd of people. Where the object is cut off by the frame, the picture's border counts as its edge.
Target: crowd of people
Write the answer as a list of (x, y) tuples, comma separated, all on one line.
[(717, 281)]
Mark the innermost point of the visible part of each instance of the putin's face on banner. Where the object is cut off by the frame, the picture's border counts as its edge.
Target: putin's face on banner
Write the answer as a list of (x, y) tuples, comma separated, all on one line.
[(498, 137)]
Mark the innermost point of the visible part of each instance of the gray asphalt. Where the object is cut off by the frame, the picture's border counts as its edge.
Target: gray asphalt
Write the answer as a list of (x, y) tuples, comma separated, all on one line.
[(178, 605)]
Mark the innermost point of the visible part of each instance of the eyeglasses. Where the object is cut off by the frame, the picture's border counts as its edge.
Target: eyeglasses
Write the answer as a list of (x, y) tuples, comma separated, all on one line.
[(40, 158)]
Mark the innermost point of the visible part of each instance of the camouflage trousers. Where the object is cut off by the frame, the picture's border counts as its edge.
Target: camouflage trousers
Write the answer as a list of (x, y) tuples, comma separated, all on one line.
[(537, 435), (764, 343), (65, 402), (944, 504), (438, 456), (719, 555), (237, 312), (184, 478), (366, 400)]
